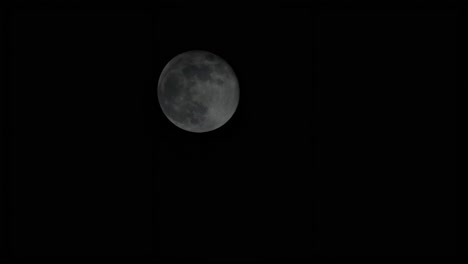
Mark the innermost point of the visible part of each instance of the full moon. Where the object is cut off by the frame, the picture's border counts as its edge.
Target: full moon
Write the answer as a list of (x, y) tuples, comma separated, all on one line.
[(198, 91)]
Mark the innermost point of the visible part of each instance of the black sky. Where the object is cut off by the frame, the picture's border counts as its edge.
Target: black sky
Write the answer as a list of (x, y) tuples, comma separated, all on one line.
[(343, 143)]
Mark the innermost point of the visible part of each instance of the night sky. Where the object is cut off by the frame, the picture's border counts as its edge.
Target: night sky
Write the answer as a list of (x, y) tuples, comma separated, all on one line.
[(343, 142)]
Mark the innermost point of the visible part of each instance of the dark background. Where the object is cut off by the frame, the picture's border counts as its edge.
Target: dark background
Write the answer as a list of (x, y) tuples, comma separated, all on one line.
[(343, 142)]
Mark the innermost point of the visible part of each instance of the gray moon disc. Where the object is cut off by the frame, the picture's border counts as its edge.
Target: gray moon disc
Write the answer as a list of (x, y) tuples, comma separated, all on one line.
[(198, 91)]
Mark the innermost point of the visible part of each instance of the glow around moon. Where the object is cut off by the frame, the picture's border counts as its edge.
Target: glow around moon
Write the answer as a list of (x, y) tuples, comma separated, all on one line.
[(198, 91)]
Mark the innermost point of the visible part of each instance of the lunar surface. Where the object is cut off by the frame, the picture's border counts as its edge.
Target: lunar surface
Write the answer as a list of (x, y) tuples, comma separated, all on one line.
[(198, 91)]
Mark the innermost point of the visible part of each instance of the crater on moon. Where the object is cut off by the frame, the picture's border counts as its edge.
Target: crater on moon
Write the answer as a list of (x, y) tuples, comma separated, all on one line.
[(198, 91)]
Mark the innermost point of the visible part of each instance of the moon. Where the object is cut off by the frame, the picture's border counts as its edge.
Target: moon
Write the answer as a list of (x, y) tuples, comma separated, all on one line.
[(198, 91)]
